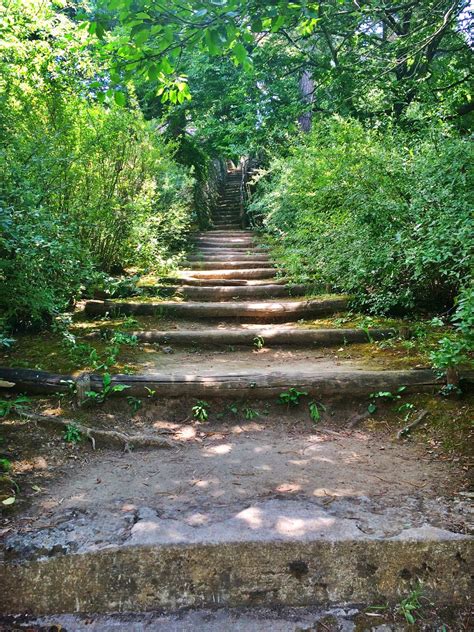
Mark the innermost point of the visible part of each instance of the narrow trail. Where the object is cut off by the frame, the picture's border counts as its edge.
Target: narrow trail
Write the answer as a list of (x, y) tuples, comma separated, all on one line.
[(232, 293)]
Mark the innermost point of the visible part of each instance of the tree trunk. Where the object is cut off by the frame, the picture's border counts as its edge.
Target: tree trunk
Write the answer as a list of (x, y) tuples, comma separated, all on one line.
[(307, 96)]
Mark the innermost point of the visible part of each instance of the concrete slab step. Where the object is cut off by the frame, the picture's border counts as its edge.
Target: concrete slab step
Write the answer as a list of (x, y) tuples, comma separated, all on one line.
[(292, 559)]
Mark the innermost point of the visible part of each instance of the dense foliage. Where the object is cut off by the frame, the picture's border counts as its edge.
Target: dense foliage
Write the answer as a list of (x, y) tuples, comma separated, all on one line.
[(85, 186), (382, 216)]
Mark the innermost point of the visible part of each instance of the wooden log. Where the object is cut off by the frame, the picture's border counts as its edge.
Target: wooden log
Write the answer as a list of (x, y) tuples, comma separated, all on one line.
[(33, 381), (281, 311), (271, 338), (327, 383), (323, 383)]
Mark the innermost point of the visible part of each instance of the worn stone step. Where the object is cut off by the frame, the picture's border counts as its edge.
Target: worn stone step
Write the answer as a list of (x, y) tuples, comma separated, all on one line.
[(300, 568), (216, 233), (216, 282), (241, 274), (277, 311), (230, 256), (222, 250), (226, 264), (222, 235), (270, 337), (227, 293), (228, 241), (225, 226)]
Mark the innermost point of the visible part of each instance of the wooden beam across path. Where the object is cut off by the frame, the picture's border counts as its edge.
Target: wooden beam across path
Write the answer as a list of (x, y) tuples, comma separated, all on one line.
[(322, 383), (277, 311)]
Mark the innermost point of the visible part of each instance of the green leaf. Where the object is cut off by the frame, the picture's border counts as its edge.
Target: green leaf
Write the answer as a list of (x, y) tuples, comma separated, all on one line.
[(277, 23), (212, 41), (240, 53), (119, 98), (165, 66), (118, 388), (9, 501)]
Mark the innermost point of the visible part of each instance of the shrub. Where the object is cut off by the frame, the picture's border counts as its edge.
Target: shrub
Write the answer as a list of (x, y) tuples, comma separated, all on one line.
[(86, 185), (380, 215)]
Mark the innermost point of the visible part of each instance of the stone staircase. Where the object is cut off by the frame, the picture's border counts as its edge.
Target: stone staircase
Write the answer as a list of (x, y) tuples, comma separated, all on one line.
[(219, 524)]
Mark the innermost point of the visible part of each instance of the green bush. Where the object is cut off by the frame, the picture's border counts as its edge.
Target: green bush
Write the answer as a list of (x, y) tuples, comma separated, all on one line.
[(86, 185), (382, 216)]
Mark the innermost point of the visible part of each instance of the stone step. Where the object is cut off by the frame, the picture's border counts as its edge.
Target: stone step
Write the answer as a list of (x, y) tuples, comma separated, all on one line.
[(225, 242), (216, 282), (225, 264), (238, 232), (271, 336), (241, 232), (239, 256), (227, 293), (277, 564), (241, 274), (224, 226), (278, 311), (222, 250)]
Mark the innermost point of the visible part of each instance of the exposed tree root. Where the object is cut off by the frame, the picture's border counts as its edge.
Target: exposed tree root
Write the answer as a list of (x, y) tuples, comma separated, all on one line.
[(355, 420), (110, 436), (416, 422)]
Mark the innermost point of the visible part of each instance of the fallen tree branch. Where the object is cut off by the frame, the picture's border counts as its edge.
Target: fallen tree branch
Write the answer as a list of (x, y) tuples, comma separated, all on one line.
[(416, 422), (113, 436)]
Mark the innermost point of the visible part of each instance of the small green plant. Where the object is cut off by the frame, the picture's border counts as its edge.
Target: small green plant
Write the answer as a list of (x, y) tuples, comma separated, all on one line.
[(135, 403), (129, 322), (258, 342), (201, 410), (150, 392), (18, 405), (291, 397), (124, 338), (410, 606), (99, 397), (315, 409), (250, 413), (406, 408), (388, 395), (233, 408), (72, 434), (5, 464)]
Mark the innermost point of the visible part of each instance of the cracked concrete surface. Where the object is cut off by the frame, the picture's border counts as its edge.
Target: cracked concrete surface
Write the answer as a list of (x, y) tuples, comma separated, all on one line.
[(246, 483)]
